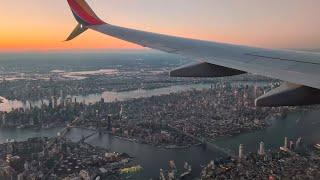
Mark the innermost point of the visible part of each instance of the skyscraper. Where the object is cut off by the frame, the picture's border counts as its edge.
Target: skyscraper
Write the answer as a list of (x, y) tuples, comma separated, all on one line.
[(291, 145), (120, 112), (261, 149), (212, 165), (109, 122), (285, 146), (241, 151), (55, 101), (298, 142), (51, 102)]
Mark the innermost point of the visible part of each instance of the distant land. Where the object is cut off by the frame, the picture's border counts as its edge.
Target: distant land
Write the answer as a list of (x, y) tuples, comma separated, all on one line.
[(88, 60)]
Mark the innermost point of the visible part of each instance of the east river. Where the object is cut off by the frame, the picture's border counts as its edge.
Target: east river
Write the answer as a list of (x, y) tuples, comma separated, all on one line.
[(294, 125)]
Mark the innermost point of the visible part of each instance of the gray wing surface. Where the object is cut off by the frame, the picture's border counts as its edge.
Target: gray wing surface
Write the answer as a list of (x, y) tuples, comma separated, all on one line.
[(300, 70), (292, 66)]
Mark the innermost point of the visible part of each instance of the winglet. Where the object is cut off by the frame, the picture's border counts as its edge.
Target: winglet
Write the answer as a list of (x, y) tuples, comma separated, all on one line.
[(79, 29), (84, 15)]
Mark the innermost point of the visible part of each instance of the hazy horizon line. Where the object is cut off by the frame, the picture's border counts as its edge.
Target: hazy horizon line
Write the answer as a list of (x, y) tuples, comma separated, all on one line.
[(49, 51), (106, 50)]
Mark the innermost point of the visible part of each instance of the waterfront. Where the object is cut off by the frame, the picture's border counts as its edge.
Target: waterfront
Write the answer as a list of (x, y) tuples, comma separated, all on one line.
[(111, 96), (152, 158), (293, 126)]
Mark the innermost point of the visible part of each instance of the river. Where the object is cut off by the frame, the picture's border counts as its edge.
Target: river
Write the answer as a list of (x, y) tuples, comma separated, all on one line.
[(296, 124)]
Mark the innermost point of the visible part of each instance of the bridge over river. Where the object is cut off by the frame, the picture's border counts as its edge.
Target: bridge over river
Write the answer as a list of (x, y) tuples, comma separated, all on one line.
[(205, 142)]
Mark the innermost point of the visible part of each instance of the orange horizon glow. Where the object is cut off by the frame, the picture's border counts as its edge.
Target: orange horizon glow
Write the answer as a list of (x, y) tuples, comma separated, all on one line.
[(39, 25)]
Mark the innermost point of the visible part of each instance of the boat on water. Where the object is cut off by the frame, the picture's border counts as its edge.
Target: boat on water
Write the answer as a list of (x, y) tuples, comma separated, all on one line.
[(130, 170)]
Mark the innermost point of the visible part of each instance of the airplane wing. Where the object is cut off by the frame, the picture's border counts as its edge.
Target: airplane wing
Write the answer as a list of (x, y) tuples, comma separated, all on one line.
[(300, 69)]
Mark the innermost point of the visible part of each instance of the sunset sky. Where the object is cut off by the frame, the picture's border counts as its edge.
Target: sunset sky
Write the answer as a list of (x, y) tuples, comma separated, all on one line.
[(32, 25)]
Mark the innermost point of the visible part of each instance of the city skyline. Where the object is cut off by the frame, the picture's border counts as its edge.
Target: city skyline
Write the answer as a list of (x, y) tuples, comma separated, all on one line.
[(40, 26)]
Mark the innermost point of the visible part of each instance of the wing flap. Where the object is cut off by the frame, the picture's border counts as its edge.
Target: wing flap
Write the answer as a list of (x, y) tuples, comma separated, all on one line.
[(204, 69), (289, 94)]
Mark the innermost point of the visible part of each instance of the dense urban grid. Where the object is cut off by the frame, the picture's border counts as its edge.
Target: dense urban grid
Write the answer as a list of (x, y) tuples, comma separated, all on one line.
[(59, 158), (43, 158), (174, 120), (291, 161), (224, 110)]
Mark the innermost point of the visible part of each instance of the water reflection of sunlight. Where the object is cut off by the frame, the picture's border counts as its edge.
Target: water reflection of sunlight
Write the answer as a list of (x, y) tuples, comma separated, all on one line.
[(80, 75)]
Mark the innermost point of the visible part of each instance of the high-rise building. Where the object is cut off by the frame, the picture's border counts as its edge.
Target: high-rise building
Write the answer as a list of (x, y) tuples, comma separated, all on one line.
[(109, 122), (84, 175), (185, 165), (241, 151), (51, 102), (55, 101), (171, 175), (121, 112), (62, 97), (261, 149), (81, 116), (285, 143), (162, 176), (255, 90), (172, 165), (298, 142), (291, 145), (4, 118), (20, 176), (61, 93), (212, 165)]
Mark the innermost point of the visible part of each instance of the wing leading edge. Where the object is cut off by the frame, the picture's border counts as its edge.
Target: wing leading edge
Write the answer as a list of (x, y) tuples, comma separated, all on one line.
[(301, 68)]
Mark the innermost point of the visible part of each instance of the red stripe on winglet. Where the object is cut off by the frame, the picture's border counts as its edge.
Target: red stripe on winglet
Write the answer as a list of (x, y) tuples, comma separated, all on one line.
[(83, 14)]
